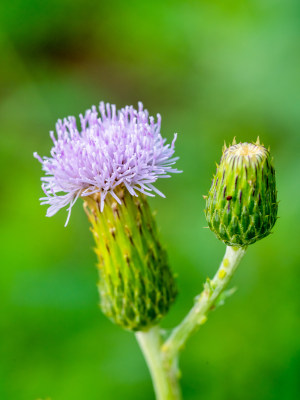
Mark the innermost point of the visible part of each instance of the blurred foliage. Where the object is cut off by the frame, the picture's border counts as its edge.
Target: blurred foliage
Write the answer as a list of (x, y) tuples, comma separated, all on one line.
[(214, 70)]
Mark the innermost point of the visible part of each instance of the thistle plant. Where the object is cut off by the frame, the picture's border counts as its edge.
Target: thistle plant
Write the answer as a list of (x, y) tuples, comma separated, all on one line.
[(112, 162)]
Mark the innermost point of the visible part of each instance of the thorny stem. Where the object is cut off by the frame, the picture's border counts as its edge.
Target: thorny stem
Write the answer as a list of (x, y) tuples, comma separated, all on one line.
[(162, 358), (204, 303)]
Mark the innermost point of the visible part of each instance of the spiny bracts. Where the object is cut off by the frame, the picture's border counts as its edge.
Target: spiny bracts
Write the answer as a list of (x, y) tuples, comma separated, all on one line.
[(241, 206), (136, 285)]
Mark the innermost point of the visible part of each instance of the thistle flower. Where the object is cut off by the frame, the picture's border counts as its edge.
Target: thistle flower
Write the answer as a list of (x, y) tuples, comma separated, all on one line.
[(241, 206), (124, 148), (107, 163)]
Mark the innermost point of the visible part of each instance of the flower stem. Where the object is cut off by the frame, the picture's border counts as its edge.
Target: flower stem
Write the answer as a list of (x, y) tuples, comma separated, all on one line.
[(164, 375), (204, 303)]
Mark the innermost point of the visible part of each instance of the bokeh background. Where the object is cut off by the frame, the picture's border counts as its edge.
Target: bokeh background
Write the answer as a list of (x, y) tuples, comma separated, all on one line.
[(214, 70)]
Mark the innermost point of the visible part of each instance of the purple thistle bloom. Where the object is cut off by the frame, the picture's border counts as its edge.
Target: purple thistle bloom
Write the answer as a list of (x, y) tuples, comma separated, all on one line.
[(123, 147)]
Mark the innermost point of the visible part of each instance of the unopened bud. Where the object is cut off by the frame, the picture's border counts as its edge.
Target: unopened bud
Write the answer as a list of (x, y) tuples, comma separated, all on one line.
[(241, 205)]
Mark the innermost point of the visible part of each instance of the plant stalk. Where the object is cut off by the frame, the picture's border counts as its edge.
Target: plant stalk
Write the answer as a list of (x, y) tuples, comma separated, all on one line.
[(164, 375), (203, 303), (162, 357)]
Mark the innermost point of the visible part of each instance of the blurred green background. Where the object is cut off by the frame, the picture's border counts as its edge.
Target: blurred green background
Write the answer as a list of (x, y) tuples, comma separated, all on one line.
[(214, 70)]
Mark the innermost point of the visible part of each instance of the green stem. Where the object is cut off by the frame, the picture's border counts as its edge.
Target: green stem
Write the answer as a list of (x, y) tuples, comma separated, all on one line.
[(164, 375), (204, 303)]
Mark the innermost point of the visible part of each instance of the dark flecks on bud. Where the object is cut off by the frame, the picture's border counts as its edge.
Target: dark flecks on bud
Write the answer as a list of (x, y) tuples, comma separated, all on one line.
[(127, 258), (115, 209), (113, 232), (236, 180), (233, 163), (240, 196), (138, 204), (129, 234)]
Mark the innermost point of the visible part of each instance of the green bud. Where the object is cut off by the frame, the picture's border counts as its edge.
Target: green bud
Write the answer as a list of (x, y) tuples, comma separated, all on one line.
[(136, 285), (241, 205)]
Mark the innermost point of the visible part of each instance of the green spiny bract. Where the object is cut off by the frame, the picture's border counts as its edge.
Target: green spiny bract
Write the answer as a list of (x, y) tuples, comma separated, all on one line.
[(136, 285), (241, 205)]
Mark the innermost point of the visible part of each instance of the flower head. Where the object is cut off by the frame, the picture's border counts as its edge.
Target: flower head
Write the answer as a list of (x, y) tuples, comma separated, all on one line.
[(241, 206), (116, 148)]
